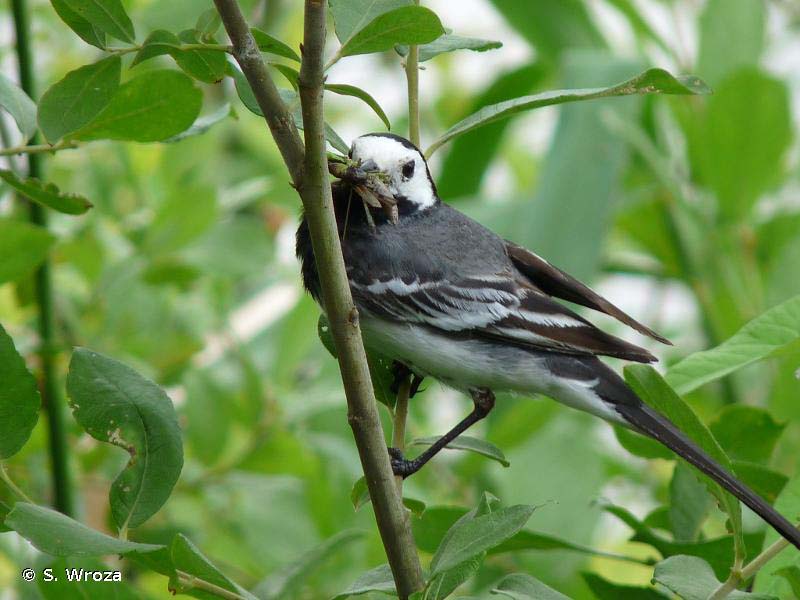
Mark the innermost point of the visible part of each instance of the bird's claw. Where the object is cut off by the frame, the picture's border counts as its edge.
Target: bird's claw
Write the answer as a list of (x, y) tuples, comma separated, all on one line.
[(401, 466)]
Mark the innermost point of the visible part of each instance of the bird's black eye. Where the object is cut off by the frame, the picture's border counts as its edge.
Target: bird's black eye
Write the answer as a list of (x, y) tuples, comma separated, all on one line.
[(408, 169)]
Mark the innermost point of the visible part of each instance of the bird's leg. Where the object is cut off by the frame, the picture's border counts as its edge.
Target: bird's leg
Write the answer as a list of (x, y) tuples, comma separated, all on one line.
[(401, 372), (483, 400)]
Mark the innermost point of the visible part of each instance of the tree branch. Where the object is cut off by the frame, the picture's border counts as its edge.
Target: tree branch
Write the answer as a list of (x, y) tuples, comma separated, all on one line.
[(43, 285), (412, 79), (309, 172), (247, 54)]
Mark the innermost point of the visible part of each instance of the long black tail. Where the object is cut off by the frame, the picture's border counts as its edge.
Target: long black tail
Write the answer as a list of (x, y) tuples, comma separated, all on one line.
[(652, 423)]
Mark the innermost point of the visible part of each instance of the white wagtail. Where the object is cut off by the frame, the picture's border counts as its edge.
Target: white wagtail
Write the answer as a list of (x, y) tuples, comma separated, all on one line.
[(447, 298)]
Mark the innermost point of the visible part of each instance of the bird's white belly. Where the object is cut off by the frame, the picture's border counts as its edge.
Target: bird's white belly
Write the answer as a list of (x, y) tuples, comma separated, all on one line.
[(465, 363)]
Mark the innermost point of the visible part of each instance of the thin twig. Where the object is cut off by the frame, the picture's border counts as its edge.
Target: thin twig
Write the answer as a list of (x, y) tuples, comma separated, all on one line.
[(62, 486), (739, 576), (181, 47), (13, 486), (310, 176), (39, 148), (191, 581), (412, 79), (399, 418)]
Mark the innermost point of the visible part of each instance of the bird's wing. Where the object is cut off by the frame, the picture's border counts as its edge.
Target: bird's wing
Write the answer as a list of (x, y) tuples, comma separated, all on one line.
[(498, 307), (555, 282)]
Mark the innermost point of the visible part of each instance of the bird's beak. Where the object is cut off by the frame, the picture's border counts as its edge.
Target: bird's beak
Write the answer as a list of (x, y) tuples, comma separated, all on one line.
[(369, 183)]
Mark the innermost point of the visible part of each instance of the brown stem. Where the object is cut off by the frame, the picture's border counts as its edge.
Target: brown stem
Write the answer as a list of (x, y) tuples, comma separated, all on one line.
[(309, 173)]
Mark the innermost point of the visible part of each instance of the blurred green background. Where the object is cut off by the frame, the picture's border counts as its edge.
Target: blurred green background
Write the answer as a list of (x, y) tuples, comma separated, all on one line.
[(683, 211)]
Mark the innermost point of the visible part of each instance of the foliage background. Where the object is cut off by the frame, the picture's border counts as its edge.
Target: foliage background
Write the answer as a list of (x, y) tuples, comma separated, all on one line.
[(683, 211)]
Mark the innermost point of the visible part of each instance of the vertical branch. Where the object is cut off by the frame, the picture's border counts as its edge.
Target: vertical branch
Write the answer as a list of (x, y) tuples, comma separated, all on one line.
[(62, 488), (412, 79), (310, 176), (399, 419)]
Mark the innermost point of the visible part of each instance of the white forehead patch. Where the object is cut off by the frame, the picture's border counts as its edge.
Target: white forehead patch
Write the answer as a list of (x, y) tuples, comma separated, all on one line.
[(390, 155)]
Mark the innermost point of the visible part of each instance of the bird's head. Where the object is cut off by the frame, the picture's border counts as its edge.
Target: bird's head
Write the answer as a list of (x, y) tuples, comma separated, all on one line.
[(402, 168)]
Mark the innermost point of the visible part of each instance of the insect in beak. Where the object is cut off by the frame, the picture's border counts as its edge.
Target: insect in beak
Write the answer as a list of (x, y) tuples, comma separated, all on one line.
[(369, 182)]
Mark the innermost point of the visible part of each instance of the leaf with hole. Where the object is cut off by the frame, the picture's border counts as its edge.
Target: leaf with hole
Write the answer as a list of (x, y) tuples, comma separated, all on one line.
[(115, 404), (19, 399), (76, 99), (106, 15), (405, 25), (19, 105), (46, 194), (470, 444), (652, 81), (59, 535), (765, 335), (150, 107)]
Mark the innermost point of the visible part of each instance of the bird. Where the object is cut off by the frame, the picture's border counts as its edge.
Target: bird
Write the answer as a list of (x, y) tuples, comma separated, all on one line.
[(447, 298)]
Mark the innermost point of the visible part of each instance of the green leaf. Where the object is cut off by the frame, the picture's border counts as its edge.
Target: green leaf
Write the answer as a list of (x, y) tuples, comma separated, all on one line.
[(722, 21), (46, 194), (718, 552), (689, 503), (769, 579), (19, 399), (59, 535), (405, 25), (359, 496), (765, 335), (185, 216), (292, 75), (470, 444), (207, 66), (762, 480), (351, 90), (19, 105), (654, 391), (71, 587), (85, 30), (105, 15), (739, 422), (442, 584), (467, 539), (640, 445), (792, 576), (271, 45), (150, 107), (208, 23), (652, 81), (23, 247), (204, 123), (520, 586), (115, 404), (284, 583), (693, 579), (450, 43), (188, 563), (351, 16), (157, 43), (471, 155), (76, 99), (553, 28), (378, 580), (606, 590)]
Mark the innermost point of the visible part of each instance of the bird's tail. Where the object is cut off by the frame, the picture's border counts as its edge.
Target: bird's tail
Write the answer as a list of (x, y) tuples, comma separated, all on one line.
[(652, 423)]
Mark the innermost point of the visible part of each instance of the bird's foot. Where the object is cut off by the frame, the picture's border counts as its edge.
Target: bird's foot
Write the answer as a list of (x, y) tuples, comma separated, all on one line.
[(401, 466), (401, 372)]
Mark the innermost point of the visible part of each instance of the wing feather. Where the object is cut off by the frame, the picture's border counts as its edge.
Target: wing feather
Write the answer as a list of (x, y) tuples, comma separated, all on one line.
[(497, 307)]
